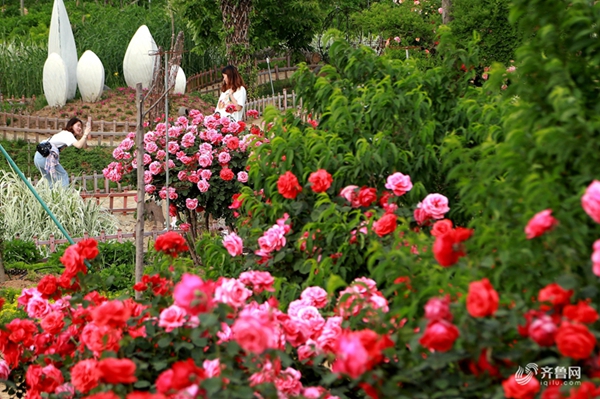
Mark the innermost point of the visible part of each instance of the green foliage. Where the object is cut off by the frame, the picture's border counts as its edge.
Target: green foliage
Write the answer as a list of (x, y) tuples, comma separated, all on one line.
[(17, 250), (22, 214), (414, 25), (16, 80), (489, 18), (10, 309)]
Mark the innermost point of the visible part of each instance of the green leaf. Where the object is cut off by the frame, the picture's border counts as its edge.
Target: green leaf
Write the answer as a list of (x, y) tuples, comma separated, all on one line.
[(334, 282)]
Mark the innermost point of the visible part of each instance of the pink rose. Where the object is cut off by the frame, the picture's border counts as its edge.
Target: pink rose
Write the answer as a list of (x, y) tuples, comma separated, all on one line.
[(242, 177), (234, 244), (212, 368), (435, 205), (591, 201), (4, 370), (203, 186), (540, 223), (259, 281), (253, 334), (224, 158), (232, 292), (317, 296), (352, 357), (191, 203), (596, 258), (351, 195), (37, 307), (172, 318), (438, 309), (206, 174), (399, 183), (193, 294)]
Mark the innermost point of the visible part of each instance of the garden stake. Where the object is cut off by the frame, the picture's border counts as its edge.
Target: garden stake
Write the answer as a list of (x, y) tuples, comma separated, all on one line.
[(14, 166)]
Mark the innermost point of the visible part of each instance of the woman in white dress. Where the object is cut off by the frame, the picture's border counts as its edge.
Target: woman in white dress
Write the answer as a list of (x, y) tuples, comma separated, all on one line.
[(73, 135), (233, 93)]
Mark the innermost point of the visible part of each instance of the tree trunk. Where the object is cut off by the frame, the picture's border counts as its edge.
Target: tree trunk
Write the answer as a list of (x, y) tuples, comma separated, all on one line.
[(236, 20), (139, 225), (447, 8)]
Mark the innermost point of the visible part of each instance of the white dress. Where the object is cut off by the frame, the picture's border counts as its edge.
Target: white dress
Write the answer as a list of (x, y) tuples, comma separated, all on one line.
[(240, 97)]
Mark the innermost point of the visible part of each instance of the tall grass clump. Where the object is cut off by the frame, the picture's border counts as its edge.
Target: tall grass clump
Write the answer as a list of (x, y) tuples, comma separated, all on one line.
[(21, 213), (21, 68)]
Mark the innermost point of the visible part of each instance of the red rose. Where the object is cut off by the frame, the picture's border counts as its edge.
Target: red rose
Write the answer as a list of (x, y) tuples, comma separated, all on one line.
[(542, 330), (53, 322), (233, 143), (117, 371), (439, 335), (186, 373), (170, 243), (145, 395), (321, 181), (482, 299), (164, 381), (555, 294), (226, 174), (422, 218), (242, 125), (111, 313), (447, 248), (366, 196), (48, 286), (483, 364), (288, 185), (88, 248), (515, 390), (85, 375), (385, 225), (441, 227), (582, 312), (575, 340)]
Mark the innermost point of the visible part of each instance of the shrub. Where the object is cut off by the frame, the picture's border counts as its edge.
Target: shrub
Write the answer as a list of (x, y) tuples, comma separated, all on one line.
[(20, 251)]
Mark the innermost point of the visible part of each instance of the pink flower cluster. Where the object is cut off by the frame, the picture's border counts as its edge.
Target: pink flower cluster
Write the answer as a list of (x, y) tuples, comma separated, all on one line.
[(274, 238), (434, 206)]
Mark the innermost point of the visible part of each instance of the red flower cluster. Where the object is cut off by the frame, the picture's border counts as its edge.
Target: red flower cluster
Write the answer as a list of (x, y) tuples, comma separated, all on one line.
[(171, 243), (448, 247), (359, 351), (74, 261), (159, 285)]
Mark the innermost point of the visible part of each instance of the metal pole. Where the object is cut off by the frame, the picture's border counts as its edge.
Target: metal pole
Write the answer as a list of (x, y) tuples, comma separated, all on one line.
[(167, 142), (141, 192), (406, 53), (270, 77)]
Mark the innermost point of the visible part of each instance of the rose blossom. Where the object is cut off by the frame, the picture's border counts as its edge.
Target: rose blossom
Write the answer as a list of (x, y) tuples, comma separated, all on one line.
[(234, 244), (193, 294), (482, 299), (191, 203), (253, 334), (590, 201), (439, 336), (203, 186), (350, 195), (575, 340), (259, 281), (385, 225), (288, 185), (518, 390), (172, 318), (224, 158), (399, 183), (542, 330), (435, 205), (85, 375), (317, 296), (242, 177), (540, 223), (4, 370), (438, 309), (232, 292), (321, 181)]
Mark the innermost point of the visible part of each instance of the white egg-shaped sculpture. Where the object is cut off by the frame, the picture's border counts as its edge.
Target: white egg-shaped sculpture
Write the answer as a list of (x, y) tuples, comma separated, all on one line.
[(90, 77), (180, 82), (62, 42), (138, 63), (55, 81)]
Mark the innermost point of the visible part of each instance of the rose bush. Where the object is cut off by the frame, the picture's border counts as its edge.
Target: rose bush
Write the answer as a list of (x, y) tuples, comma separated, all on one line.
[(206, 158)]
